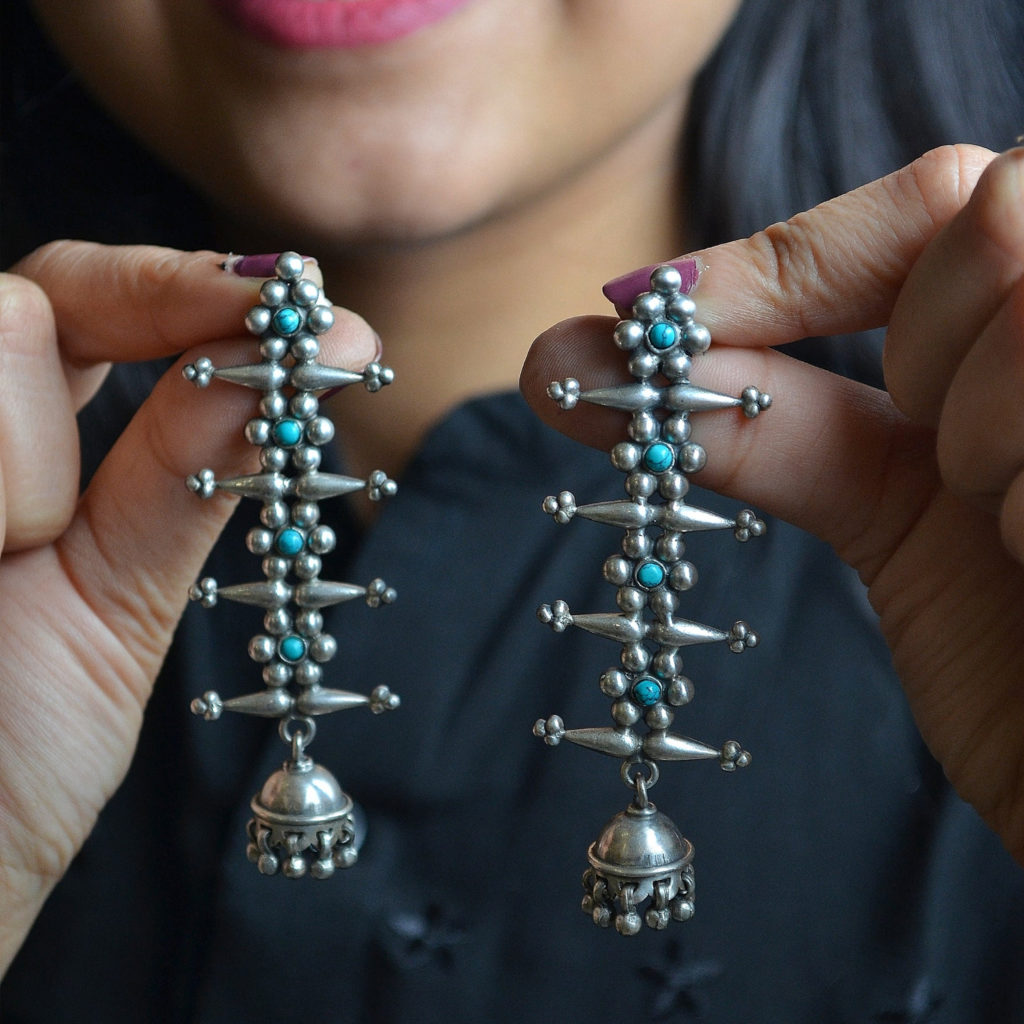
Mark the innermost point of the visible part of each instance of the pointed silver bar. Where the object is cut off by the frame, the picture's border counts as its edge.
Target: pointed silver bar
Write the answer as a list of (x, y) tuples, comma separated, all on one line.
[(624, 629), (627, 515), (615, 742), (317, 486), (269, 703), (676, 515), (665, 746), (319, 701), (265, 376), (677, 397), (683, 518), (322, 593), (629, 397), (684, 633), (274, 703), (627, 629), (692, 398), (316, 377), (266, 594), (262, 486)]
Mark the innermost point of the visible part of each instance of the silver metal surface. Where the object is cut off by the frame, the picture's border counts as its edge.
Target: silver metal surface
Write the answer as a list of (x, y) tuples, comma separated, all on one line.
[(303, 822), (641, 869)]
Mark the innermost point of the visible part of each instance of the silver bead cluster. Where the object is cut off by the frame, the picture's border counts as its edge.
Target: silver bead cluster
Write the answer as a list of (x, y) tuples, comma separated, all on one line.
[(302, 819), (641, 869)]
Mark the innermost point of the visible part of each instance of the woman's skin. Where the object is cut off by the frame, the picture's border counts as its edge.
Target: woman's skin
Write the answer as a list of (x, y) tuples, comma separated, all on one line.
[(477, 179), (464, 187)]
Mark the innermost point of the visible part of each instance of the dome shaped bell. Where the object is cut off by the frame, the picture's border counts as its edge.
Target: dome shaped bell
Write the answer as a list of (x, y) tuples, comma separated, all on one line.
[(301, 794), (302, 821), (640, 843), (640, 872)]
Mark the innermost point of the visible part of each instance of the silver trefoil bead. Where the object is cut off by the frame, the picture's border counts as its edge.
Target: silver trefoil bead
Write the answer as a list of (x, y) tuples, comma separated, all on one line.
[(641, 866), (302, 820)]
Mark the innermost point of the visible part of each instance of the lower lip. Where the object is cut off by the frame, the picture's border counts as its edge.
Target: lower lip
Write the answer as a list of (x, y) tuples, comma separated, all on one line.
[(334, 24)]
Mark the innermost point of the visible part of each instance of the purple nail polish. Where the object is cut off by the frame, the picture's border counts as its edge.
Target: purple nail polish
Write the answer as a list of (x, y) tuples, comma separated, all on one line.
[(254, 266), (621, 291)]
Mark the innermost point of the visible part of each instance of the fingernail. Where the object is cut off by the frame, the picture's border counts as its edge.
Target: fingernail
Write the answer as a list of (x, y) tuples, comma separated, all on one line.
[(256, 266), (621, 291)]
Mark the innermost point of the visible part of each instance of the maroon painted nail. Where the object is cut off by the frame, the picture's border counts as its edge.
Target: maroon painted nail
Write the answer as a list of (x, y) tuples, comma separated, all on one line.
[(255, 266), (621, 291)]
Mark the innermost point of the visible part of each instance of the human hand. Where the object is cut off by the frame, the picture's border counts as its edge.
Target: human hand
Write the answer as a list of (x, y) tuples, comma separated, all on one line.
[(92, 587), (921, 489)]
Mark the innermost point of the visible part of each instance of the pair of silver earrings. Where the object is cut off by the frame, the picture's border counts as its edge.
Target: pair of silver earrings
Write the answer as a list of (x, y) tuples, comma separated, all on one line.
[(641, 867)]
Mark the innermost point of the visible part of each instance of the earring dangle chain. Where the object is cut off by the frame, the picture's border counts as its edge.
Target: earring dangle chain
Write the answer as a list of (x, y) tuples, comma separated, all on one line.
[(302, 820), (641, 866)]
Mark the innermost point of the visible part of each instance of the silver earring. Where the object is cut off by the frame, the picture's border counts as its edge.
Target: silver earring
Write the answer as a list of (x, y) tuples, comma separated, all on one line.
[(302, 819), (641, 866)]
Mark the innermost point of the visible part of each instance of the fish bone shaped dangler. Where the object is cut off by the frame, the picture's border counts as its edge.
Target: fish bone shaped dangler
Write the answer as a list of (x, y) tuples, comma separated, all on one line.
[(641, 866), (302, 820)]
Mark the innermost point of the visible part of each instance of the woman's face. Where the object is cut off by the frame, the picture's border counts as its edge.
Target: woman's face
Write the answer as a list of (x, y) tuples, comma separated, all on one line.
[(351, 121)]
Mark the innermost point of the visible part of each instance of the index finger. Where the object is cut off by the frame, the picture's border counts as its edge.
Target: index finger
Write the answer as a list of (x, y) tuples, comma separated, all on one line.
[(836, 269), (135, 302), (128, 303)]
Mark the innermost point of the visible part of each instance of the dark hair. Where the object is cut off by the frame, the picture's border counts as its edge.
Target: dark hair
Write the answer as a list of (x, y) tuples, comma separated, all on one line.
[(67, 170), (806, 99), (801, 100)]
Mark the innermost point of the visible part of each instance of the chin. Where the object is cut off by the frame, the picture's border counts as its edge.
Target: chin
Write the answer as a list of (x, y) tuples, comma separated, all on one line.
[(330, 208), (339, 226)]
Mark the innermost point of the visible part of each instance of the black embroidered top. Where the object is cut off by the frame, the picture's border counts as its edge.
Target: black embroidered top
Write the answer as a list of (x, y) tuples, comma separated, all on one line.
[(838, 878)]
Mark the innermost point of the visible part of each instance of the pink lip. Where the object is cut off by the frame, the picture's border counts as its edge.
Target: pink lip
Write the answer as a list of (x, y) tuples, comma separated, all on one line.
[(335, 24)]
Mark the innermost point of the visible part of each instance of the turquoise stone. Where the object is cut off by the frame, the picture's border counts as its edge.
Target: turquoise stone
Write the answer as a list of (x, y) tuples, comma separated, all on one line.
[(647, 691), (292, 648), (287, 432), (650, 574), (663, 336), (659, 457), (289, 542), (286, 321)]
